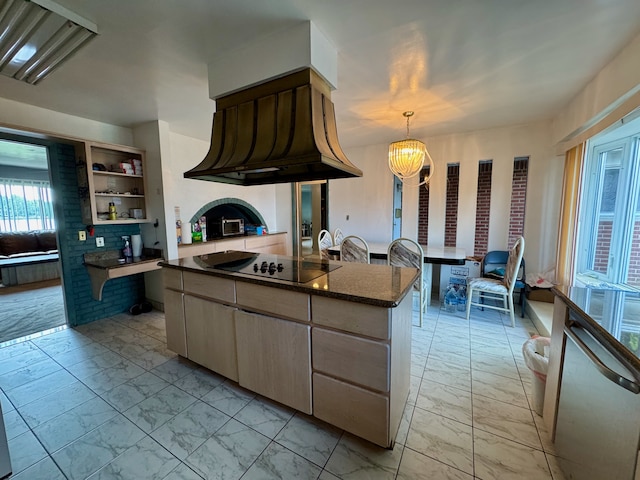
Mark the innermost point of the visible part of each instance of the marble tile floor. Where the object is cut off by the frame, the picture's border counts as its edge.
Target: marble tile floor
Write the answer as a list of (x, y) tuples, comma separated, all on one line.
[(107, 400)]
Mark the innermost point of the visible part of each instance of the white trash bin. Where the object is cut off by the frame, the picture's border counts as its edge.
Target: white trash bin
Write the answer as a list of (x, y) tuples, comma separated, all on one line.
[(536, 356)]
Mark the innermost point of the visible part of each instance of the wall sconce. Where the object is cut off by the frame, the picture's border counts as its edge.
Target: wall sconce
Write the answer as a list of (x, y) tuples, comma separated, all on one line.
[(38, 36), (407, 157)]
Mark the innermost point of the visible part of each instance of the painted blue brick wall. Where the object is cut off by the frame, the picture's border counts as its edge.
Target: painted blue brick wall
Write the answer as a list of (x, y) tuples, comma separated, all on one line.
[(119, 293)]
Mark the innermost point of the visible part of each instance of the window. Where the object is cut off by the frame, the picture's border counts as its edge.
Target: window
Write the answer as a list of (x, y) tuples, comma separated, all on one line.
[(25, 205), (608, 252)]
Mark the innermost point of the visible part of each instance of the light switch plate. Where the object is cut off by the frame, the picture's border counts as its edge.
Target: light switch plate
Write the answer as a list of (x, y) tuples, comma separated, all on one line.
[(82, 235), (99, 241)]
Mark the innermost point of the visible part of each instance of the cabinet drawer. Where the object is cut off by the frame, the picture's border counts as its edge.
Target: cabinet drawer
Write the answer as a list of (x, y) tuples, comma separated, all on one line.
[(209, 286), (356, 410), (174, 321), (274, 301), (350, 358), (230, 244), (172, 278), (367, 320)]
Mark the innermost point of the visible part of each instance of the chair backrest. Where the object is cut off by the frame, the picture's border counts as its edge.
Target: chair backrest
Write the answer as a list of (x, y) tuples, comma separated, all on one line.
[(338, 236), (404, 252), (494, 264), (513, 264), (324, 243), (354, 249)]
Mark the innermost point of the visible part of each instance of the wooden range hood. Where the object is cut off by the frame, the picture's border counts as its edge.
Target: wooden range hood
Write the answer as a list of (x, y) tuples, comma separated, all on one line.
[(279, 131)]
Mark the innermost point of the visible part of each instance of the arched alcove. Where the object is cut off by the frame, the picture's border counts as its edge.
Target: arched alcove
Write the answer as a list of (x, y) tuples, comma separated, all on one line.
[(230, 208)]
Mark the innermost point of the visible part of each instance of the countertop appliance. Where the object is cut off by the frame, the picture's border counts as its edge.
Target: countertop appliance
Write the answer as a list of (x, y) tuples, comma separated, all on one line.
[(5, 461), (266, 265), (227, 227), (598, 423)]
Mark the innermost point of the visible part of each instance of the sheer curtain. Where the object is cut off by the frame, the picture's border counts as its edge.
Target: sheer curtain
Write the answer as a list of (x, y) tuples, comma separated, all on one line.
[(25, 205), (573, 165)]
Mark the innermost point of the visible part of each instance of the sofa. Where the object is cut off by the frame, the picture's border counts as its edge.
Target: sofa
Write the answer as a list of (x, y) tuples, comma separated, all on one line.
[(27, 257)]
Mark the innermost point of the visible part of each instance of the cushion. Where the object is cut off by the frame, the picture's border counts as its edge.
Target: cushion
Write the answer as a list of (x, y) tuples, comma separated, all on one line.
[(46, 240), (488, 285), (401, 256), (26, 254), (18, 242)]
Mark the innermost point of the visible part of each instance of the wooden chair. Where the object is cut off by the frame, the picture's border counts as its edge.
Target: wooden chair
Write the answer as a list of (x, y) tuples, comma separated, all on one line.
[(498, 289), (354, 249), (404, 252), (325, 241)]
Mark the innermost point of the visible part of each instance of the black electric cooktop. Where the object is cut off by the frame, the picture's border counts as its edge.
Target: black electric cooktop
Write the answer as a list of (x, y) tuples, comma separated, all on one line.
[(269, 265)]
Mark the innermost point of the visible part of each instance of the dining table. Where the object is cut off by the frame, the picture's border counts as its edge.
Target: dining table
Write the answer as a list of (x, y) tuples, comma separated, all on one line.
[(432, 256)]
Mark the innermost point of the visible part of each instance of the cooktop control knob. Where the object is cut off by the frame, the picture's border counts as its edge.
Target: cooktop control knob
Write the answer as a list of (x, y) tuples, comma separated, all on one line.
[(280, 267), (255, 267), (272, 268)]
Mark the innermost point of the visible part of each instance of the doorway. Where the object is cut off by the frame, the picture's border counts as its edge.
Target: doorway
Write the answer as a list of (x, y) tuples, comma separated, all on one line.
[(31, 293), (310, 214), (397, 208)]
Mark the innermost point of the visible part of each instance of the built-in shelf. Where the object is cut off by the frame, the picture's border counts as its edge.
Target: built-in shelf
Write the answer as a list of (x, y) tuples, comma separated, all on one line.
[(100, 172)]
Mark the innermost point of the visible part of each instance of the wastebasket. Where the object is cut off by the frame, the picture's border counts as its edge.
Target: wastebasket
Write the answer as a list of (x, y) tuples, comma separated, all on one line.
[(536, 356)]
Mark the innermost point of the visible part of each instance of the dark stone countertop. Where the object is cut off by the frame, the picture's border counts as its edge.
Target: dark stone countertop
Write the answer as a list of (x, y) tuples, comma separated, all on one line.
[(111, 258), (612, 315), (378, 285)]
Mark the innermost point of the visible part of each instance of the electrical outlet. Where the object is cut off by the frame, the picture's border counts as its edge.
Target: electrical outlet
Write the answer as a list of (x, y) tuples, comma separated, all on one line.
[(99, 241), (82, 235)]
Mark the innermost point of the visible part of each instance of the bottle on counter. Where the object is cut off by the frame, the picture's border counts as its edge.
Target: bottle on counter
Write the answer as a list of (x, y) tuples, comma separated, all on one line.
[(113, 214), (127, 253)]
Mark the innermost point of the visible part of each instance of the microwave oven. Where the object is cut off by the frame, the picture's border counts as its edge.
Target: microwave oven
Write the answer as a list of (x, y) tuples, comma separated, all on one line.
[(225, 227)]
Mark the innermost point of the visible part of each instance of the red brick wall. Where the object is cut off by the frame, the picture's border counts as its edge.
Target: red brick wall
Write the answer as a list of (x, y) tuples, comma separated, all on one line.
[(603, 246), (483, 206), (451, 211), (423, 211), (518, 199)]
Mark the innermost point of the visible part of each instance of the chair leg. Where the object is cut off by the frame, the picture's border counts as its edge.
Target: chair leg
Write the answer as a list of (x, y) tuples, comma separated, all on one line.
[(421, 300), (511, 312)]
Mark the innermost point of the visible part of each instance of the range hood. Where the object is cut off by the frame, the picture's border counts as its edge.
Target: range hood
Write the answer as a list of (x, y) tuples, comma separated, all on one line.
[(279, 131)]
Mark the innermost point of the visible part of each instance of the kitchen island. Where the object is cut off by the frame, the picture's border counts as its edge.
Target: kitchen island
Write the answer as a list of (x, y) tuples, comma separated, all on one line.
[(330, 339)]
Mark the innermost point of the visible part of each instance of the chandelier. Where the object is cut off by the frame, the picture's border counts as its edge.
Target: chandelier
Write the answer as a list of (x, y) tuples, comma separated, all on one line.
[(407, 157)]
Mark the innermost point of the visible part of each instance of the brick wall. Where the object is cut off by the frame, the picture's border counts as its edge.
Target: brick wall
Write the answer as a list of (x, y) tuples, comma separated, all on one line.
[(423, 210), (518, 199), (603, 246), (483, 207), (118, 294), (451, 211)]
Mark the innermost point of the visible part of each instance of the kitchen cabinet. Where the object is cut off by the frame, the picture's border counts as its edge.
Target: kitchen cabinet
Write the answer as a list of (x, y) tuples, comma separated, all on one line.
[(275, 243), (174, 312), (274, 359), (113, 174), (211, 335)]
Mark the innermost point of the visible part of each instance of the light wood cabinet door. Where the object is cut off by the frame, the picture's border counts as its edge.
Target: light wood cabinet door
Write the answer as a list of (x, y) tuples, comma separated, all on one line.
[(274, 358), (211, 335), (174, 321)]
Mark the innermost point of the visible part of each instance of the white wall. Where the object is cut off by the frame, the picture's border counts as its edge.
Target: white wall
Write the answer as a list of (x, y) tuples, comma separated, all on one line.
[(29, 118), (612, 87), (368, 200)]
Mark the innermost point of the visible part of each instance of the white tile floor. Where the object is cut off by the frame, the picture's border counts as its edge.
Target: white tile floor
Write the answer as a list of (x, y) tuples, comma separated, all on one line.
[(108, 401)]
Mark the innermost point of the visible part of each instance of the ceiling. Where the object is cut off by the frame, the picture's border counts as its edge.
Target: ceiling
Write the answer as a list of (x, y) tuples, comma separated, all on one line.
[(461, 65)]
